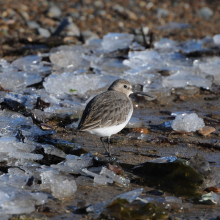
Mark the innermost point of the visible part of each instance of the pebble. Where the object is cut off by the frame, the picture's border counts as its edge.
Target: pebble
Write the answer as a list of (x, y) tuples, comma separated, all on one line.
[(206, 130), (89, 35), (216, 39), (205, 13), (138, 31), (162, 13), (54, 12), (33, 25), (141, 130), (125, 12), (44, 32)]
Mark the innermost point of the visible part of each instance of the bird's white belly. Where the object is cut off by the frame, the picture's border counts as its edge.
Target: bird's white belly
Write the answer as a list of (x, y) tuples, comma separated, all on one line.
[(108, 131)]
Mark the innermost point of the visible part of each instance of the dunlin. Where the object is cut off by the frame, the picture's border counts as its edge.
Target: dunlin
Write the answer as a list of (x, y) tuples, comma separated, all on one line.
[(109, 112)]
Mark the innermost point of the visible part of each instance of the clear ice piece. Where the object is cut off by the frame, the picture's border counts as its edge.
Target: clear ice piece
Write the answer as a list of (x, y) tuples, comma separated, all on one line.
[(187, 123), (116, 178), (115, 41)]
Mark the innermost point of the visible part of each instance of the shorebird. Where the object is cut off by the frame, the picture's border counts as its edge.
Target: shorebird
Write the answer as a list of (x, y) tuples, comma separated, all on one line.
[(109, 112)]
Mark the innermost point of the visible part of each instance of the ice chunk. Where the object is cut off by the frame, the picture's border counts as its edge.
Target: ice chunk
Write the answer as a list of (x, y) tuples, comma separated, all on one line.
[(75, 84), (61, 186), (19, 100), (14, 80), (116, 178), (99, 179), (169, 159), (216, 39), (210, 198), (15, 201), (69, 58), (115, 41), (142, 59), (30, 62), (11, 122), (40, 198), (74, 164), (50, 149), (108, 66), (183, 78), (165, 43), (210, 66), (187, 123)]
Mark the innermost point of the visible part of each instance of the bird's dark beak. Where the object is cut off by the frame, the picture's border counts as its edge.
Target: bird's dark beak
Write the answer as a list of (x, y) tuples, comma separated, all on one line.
[(141, 93)]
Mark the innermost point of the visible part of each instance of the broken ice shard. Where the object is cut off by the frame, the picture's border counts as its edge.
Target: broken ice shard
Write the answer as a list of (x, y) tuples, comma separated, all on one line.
[(187, 123), (115, 41), (61, 186), (116, 178)]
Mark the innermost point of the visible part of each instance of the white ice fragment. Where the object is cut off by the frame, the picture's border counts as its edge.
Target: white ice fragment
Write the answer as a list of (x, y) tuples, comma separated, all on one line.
[(216, 39), (74, 164), (40, 198), (130, 196), (142, 58), (169, 159), (69, 60), (181, 113), (10, 122), (134, 123), (116, 178), (187, 123), (183, 78), (27, 101), (24, 155), (165, 43), (50, 149), (99, 179), (27, 63), (75, 84), (61, 186), (210, 66), (14, 80), (210, 198), (15, 201), (115, 41)]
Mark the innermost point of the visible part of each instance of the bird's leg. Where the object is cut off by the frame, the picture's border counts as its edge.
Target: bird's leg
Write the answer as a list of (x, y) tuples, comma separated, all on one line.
[(101, 138), (109, 151)]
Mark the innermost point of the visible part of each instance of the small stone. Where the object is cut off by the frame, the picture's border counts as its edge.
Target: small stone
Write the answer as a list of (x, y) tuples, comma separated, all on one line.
[(141, 130), (206, 130), (216, 39), (138, 31), (54, 12), (44, 32), (131, 15), (33, 25), (89, 35), (205, 13), (161, 13)]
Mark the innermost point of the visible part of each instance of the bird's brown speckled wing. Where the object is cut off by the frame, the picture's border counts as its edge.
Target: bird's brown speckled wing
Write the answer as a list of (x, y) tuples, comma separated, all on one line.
[(104, 110)]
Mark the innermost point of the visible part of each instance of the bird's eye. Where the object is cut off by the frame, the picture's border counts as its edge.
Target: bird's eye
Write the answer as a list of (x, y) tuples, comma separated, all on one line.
[(125, 86)]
